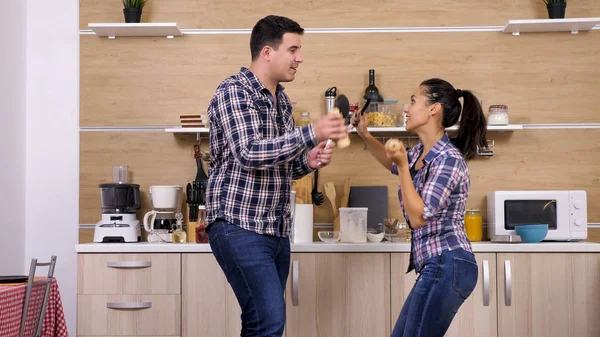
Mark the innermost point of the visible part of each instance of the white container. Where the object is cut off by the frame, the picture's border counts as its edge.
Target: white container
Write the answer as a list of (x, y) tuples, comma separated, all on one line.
[(353, 224), (165, 197), (302, 229)]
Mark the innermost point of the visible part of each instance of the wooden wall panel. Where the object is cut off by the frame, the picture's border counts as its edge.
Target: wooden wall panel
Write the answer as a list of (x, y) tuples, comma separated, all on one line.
[(150, 81), (332, 13), (522, 160), (153, 158)]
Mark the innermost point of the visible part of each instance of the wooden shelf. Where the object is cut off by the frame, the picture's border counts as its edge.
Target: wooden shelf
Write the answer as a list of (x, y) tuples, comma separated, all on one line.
[(574, 26), (112, 30)]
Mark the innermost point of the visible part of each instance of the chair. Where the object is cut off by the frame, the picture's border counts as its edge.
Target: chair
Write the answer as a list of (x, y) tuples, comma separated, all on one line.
[(36, 298)]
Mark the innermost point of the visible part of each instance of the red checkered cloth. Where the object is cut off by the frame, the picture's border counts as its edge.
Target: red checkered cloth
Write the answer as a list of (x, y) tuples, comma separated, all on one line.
[(12, 298)]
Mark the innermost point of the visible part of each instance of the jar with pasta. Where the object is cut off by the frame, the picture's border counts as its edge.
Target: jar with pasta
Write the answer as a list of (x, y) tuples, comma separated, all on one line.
[(382, 114)]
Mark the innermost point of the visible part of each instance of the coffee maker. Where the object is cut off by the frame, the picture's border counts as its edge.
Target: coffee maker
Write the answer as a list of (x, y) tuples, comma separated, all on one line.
[(162, 219), (119, 201)]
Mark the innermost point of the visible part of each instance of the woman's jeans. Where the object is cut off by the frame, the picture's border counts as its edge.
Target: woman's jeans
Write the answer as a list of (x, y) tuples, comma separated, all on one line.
[(445, 281), (257, 268)]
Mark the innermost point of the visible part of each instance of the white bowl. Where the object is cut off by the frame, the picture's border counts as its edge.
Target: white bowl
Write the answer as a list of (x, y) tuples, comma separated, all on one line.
[(375, 237), (330, 236)]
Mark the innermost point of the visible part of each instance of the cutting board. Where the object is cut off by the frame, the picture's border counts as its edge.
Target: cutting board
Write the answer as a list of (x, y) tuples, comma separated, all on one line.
[(373, 197)]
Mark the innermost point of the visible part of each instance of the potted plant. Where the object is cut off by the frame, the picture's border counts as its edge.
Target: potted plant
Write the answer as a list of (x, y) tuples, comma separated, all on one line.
[(556, 8), (133, 10)]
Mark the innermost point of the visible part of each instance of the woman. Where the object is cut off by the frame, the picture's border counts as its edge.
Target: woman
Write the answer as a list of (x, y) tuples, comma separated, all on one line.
[(433, 191)]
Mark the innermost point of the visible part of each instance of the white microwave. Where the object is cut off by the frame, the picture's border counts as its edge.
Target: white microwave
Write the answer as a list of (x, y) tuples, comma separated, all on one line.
[(564, 211)]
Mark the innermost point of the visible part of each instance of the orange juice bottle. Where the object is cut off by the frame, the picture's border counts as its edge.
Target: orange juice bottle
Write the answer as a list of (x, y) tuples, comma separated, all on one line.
[(474, 225)]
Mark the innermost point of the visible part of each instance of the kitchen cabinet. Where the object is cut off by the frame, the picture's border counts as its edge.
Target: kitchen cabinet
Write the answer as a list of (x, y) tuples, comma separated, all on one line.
[(548, 294), (338, 295), (129, 295), (209, 307), (335, 294), (476, 317)]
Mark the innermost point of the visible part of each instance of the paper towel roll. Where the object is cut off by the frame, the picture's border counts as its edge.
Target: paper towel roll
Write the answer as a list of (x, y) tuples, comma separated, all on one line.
[(303, 223)]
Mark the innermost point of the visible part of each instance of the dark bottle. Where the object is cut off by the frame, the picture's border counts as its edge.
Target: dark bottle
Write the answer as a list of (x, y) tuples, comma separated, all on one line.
[(371, 92)]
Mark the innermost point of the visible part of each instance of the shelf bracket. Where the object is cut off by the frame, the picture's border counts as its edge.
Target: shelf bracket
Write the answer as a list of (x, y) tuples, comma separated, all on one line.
[(574, 31), (169, 36), (516, 33), (111, 37)]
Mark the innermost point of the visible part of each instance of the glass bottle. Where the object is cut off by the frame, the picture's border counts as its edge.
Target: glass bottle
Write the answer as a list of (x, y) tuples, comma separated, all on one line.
[(372, 92), (179, 235), (474, 225), (201, 235)]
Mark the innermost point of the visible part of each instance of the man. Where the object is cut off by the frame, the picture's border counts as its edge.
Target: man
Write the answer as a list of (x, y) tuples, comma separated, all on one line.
[(256, 151)]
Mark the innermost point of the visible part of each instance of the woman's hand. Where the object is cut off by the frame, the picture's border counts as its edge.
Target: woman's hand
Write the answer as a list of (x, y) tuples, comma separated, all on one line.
[(395, 150), (358, 121)]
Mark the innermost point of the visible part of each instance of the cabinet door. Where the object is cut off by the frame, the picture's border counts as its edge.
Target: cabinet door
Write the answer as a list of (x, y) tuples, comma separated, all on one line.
[(338, 295), (128, 274), (209, 307), (548, 294), (476, 317)]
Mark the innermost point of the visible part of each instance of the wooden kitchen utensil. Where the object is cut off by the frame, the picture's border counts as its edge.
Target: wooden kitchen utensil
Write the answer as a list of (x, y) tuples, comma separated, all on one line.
[(302, 187), (330, 193), (343, 204)]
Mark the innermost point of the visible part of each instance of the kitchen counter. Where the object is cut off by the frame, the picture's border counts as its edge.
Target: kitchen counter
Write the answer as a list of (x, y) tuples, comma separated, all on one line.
[(319, 247)]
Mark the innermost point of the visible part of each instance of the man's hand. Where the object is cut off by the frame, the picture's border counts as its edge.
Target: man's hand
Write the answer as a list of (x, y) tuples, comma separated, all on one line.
[(330, 126), (320, 156)]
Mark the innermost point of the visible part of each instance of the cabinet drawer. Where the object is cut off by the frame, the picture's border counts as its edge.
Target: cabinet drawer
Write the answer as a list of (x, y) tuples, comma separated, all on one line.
[(128, 315), (128, 274)]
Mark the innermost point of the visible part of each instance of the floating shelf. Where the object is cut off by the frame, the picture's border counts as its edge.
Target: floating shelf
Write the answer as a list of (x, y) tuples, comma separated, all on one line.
[(186, 130), (112, 30), (550, 25), (510, 127)]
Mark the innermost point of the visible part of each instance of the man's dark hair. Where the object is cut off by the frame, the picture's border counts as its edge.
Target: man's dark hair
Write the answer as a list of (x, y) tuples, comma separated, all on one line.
[(269, 31)]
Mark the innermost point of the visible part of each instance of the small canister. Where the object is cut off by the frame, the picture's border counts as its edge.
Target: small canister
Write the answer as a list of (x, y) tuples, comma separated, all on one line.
[(498, 115)]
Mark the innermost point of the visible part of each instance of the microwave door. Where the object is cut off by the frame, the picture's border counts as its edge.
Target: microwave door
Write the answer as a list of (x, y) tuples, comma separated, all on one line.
[(530, 212)]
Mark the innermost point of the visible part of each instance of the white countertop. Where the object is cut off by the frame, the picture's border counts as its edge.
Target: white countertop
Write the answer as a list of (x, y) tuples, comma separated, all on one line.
[(319, 247)]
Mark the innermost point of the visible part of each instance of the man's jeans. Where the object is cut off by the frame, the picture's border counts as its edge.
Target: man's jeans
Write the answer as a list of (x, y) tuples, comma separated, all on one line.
[(257, 268), (443, 285)]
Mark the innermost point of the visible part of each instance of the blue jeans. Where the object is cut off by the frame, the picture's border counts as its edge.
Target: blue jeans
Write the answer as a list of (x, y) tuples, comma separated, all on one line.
[(445, 281), (257, 268)]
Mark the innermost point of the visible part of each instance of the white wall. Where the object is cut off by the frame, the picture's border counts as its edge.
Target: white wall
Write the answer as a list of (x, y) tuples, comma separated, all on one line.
[(52, 142), (12, 136)]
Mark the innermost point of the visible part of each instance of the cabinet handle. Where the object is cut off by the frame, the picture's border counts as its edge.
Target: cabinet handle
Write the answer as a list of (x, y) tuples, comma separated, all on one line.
[(486, 283), (507, 284), (129, 305), (129, 264), (295, 268)]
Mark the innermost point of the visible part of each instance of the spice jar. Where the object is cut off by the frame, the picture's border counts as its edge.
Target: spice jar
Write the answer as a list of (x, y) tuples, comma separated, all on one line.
[(498, 115), (474, 225)]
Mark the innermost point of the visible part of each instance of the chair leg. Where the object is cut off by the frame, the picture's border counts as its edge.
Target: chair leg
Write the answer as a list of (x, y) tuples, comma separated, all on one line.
[(27, 296)]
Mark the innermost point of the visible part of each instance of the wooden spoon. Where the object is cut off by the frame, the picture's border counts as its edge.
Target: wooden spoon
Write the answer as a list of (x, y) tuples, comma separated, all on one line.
[(330, 193)]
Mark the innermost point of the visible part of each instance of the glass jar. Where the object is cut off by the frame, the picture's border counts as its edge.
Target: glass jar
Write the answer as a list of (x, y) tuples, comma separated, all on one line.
[(304, 119), (382, 114), (474, 225), (201, 235), (498, 115)]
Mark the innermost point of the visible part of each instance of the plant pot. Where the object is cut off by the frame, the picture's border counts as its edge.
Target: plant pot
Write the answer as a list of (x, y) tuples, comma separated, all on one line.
[(556, 10), (132, 15)]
